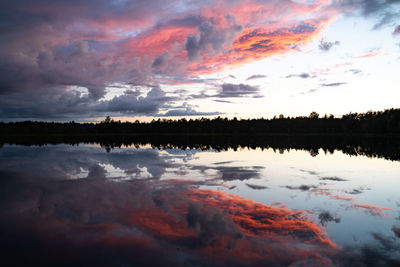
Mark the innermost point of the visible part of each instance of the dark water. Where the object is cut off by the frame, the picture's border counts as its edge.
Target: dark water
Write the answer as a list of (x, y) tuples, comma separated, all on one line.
[(68, 205)]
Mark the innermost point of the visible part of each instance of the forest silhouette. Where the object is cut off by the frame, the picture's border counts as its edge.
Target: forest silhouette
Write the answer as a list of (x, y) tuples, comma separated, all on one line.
[(372, 134), (370, 123)]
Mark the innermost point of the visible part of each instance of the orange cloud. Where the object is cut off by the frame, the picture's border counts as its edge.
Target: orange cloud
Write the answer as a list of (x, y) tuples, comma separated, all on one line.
[(370, 54), (230, 227), (327, 192), (373, 209), (258, 43), (259, 220), (262, 35), (376, 210)]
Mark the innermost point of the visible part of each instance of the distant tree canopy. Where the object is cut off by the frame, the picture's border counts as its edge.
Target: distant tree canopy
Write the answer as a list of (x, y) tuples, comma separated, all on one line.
[(313, 115), (108, 120), (372, 122)]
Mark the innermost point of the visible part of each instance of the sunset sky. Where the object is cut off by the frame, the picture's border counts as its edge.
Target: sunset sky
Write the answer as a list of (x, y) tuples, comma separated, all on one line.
[(144, 59)]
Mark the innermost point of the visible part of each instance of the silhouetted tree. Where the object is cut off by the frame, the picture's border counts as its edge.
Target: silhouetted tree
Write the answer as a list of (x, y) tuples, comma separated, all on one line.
[(108, 120), (313, 115)]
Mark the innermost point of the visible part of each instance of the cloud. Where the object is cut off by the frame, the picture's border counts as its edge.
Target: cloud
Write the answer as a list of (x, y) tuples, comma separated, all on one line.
[(380, 252), (211, 224), (372, 209), (47, 219), (238, 90), (66, 103), (132, 104), (256, 76), (222, 101), (211, 39), (160, 61), (309, 91), (332, 178), (232, 173), (385, 12), (69, 163), (238, 173), (310, 172), (301, 187), (396, 231), (325, 217), (256, 187), (333, 84), (329, 192), (396, 30), (326, 46), (358, 190), (374, 52), (187, 112), (49, 50), (355, 71), (185, 109), (133, 221), (301, 75)]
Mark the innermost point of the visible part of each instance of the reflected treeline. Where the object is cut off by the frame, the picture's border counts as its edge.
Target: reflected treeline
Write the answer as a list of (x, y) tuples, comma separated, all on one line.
[(371, 146)]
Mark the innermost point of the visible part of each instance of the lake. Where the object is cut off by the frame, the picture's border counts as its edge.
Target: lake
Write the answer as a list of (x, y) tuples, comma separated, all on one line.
[(138, 205)]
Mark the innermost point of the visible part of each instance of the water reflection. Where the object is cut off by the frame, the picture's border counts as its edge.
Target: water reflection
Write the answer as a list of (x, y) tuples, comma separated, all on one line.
[(371, 146), (67, 205)]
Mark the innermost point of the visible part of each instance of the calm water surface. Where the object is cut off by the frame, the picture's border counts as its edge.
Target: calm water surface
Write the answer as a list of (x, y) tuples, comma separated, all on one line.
[(65, 204)]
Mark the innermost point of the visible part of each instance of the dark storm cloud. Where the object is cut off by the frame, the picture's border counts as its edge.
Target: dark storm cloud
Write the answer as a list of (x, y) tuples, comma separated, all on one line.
[(256, 76), (326, 45), (238, 90)]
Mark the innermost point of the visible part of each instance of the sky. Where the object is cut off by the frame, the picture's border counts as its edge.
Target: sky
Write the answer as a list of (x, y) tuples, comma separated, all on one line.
[(133, 59)]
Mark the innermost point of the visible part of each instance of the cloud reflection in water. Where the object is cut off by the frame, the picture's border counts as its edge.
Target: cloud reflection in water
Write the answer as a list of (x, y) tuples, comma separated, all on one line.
[(48, 216)]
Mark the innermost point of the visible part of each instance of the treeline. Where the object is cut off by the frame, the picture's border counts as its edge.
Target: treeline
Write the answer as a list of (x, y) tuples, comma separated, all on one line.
[(372, 123)]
